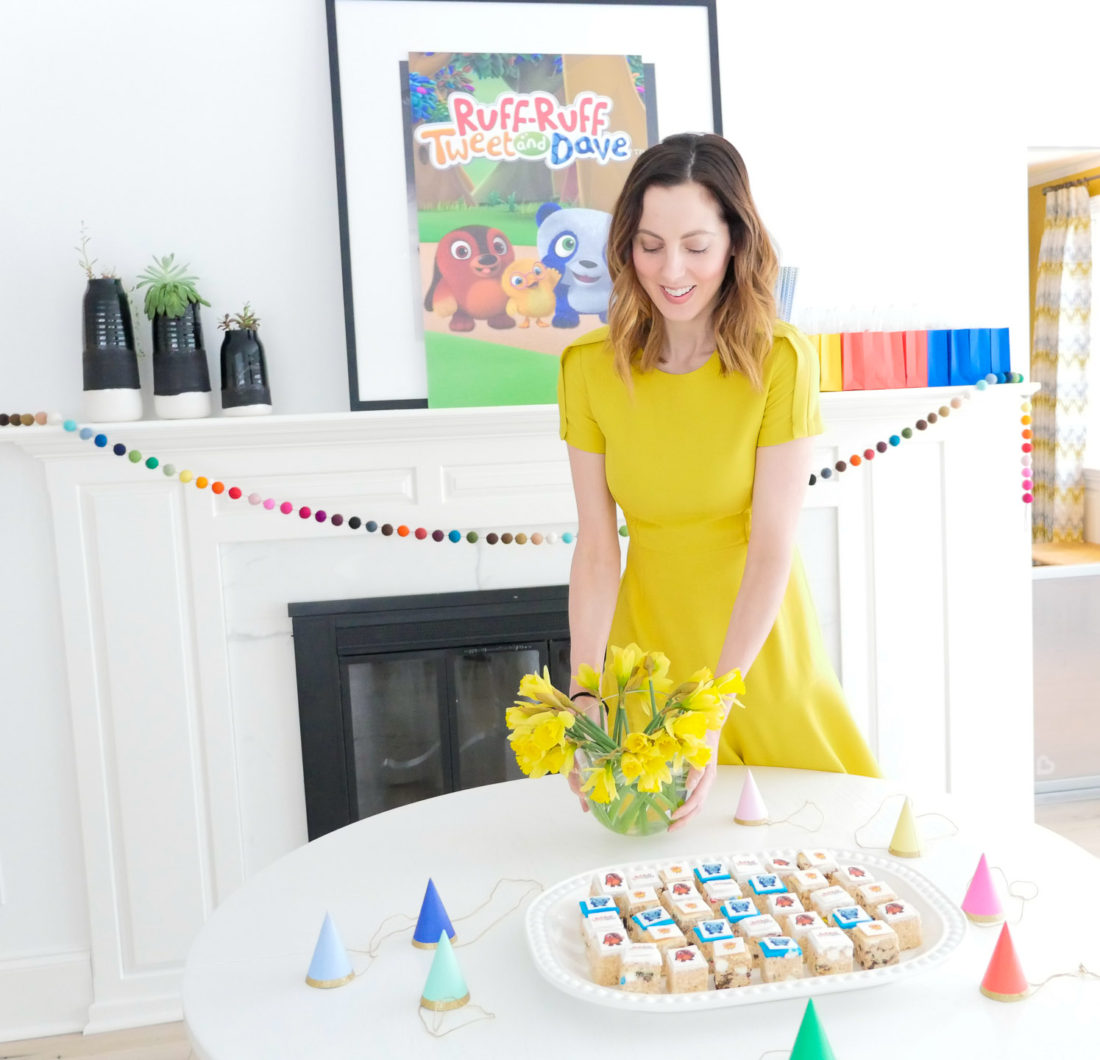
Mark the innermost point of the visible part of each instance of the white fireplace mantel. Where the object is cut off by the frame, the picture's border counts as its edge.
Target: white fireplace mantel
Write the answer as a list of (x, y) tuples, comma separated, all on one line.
[(180, 659)]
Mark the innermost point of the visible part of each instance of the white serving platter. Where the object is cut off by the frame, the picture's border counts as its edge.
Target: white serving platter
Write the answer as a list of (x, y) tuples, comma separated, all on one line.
[(554, 935)]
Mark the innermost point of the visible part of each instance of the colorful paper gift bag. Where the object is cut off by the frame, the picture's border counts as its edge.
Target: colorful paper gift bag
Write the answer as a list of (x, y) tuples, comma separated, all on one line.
[(873, 360), (1000, 361), (916, 358), (832, 376), (969, 355), (939, 358)]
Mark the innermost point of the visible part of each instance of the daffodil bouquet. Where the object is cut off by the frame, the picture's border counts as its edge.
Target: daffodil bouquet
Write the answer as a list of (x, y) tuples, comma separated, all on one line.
[(634, 755)]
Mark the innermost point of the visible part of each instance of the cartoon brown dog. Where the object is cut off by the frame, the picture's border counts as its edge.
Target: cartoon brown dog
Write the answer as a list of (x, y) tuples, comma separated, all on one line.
[(465, 284), (530, 288)]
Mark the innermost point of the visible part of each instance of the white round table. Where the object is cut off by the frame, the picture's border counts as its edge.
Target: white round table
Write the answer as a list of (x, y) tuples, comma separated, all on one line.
[(244, 993)]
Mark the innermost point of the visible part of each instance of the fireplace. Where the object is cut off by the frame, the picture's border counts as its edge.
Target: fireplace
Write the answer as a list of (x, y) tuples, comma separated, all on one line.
[(402, 698)]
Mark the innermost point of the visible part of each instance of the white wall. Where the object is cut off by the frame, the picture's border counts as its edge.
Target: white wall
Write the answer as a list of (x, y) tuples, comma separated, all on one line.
[(888, 157)]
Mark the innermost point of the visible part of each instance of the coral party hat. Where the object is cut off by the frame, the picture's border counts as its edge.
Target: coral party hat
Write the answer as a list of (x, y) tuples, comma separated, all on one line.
[(906, 842), (811, 1043), (445, 988), (1004, 978), (432, 920), (750, 808), (982, 904), (330, 965)]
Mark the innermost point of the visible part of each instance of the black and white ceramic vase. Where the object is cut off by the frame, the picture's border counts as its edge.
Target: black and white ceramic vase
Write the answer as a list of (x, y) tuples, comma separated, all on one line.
[(112, 389), (245, 389), (181, 376)]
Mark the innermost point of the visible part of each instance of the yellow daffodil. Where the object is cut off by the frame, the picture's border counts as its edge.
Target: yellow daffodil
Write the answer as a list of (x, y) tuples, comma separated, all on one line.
[(637, 743), (588, 679), (550, 732), (732, 685), (600, 785), (655, 772), (632, 766), (622, 662), (695, 751), (667, 747), (689, 724), (539, 688)]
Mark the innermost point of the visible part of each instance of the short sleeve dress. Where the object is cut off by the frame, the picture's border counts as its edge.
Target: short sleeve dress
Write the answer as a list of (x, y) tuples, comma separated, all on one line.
[(680, 456)]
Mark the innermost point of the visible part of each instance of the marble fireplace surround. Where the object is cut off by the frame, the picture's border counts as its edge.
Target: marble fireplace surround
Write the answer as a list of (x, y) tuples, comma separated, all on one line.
[(180, 660)]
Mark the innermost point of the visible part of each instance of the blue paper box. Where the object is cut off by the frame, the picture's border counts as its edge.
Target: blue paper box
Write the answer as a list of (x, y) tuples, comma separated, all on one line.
[(939, 358)]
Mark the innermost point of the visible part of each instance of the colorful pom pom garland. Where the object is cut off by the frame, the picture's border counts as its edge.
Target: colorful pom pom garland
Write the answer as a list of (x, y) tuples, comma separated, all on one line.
[(371, 526)]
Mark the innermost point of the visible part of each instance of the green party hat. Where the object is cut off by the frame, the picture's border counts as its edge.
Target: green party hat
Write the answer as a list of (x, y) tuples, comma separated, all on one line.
[(445, 988), (811, 1043)]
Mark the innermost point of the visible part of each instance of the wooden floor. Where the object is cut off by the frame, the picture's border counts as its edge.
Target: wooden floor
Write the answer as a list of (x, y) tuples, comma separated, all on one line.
[(1077, 821)]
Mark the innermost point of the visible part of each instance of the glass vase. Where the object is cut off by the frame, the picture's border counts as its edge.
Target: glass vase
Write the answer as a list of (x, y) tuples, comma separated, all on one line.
[(634, 812)]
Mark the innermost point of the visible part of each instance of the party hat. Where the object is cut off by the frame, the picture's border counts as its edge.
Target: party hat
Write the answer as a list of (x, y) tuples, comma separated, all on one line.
[(330, 965), (981, 904), (906, 842), (811, 1043), (445, 988), (750, 809), (1004, 978), (433, 919)]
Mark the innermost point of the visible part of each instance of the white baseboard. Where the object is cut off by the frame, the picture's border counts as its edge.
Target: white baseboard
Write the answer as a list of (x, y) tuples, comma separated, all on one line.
[(143, 1012), (1070, 789), (44, 994)]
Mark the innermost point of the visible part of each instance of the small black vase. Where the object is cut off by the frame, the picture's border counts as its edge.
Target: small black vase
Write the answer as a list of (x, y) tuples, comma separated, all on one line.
[(181, 376), (245, 390), (112, 390)]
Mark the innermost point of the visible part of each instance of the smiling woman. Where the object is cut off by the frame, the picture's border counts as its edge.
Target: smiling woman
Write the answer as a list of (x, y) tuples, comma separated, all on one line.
[(694, 412)]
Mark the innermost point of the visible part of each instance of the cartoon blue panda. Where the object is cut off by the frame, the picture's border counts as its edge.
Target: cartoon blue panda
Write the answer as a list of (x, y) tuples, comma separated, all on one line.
[(574, 241)]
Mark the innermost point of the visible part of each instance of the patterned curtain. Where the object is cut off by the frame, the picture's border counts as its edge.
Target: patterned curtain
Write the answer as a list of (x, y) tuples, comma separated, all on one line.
[(1059, 357)]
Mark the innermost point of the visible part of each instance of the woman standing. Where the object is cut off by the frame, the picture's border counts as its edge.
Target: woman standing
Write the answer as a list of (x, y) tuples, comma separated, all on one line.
[(695, 410)]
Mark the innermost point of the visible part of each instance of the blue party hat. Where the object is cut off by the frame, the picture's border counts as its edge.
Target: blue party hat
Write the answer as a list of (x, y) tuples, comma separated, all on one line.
[(446, 987), (330, 965), (432, 921)]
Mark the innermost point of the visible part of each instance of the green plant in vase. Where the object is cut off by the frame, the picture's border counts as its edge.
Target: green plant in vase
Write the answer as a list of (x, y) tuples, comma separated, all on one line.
[(634, 756), (245, 389), (181, 376)]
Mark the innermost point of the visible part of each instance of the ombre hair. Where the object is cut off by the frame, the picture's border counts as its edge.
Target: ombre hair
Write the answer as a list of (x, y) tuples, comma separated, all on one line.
[(744, 314)]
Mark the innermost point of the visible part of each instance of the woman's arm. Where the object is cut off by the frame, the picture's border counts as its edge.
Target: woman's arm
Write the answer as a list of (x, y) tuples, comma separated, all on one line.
[(597, 564), (782, 474), (779, 487)]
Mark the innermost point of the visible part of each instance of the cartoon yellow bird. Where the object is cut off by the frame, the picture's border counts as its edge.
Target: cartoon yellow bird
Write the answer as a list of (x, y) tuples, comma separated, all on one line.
[(530, 288)]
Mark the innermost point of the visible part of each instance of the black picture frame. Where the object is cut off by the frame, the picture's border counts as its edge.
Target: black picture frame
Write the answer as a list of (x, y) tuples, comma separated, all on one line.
[(371, 30)]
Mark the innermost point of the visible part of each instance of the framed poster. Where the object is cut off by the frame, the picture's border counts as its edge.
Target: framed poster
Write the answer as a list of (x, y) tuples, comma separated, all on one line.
[(502, 155)]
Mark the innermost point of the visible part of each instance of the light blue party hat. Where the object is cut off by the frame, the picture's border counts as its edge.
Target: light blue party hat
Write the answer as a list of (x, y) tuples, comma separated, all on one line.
[(330, 965)]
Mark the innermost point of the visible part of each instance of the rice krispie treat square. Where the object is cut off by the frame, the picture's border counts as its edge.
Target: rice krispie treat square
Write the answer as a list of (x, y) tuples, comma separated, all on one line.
[(904, 919), (686, 970), (640, 972), (732, 964), (780, 958), (829, 951), (605, 956), (876, 944)]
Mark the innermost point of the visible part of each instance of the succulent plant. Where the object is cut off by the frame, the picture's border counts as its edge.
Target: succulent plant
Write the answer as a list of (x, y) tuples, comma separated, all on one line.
[(245, 320), (171, 290)]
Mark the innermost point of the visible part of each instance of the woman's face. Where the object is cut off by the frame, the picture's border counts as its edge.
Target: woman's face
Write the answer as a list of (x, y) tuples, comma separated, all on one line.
[(681, 251)]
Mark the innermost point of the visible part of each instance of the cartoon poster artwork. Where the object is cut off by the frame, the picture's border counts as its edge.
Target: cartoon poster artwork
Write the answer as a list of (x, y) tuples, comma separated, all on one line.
[(516, 161)]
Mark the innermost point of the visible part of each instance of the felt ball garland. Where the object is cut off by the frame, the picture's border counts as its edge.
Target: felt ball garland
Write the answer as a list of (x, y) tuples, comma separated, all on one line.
[(420, 533), (932, 418)]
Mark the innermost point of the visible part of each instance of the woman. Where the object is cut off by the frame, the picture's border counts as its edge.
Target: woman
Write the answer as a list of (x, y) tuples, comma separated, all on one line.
[(695, 410)]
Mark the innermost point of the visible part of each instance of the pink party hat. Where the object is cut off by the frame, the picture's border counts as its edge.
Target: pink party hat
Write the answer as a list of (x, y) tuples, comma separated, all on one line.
[(906, 842), (982, 904), (1004, 978), (433, 919), (330, 966), (750, 808), (811, 1043)]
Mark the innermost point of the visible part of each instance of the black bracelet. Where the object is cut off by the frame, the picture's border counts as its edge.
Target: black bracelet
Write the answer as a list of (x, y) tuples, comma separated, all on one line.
[(582, 692)]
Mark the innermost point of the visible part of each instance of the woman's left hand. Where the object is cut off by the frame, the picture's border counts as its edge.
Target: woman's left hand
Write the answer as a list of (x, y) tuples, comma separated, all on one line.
[(699, 783)]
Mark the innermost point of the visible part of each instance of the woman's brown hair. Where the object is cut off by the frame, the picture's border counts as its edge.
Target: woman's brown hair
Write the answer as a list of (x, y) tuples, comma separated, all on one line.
[(745, 312)]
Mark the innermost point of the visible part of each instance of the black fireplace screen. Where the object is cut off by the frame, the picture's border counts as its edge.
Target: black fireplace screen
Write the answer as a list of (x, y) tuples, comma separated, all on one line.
[(402, 698)]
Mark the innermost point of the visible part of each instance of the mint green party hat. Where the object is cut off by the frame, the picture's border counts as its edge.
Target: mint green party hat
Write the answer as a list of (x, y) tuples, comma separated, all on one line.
[(445, 988), (811, 1043)]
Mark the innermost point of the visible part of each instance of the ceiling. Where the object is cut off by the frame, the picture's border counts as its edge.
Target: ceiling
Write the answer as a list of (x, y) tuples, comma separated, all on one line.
[(1050, 163)]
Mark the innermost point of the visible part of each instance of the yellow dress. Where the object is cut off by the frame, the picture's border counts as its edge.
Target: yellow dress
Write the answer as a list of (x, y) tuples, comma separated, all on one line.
[(680, 458)]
